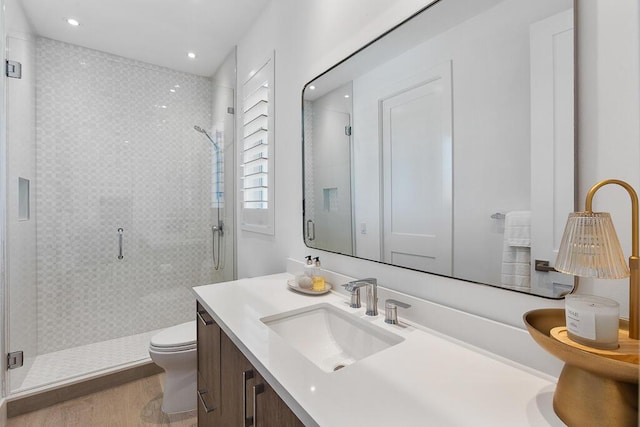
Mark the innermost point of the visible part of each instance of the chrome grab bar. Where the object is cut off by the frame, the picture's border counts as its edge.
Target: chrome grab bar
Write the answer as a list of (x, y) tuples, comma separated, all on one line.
[(120, 233)]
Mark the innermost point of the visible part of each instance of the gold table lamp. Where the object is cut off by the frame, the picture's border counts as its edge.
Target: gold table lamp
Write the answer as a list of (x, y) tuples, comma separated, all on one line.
[(590, 248), (594, 387)]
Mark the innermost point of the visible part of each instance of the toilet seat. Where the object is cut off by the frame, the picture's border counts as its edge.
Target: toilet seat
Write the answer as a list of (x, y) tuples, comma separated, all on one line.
[(172, 349), (176, 338)]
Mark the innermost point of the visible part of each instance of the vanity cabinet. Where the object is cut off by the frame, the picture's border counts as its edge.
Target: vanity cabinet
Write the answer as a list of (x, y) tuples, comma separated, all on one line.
[(246, 399), (270, 410)]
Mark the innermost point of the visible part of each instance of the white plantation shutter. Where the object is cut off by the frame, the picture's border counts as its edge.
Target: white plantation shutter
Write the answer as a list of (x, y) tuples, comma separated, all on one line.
[(256, 156)]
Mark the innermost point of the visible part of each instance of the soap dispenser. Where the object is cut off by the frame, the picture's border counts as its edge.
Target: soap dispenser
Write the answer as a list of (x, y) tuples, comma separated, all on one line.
[(318, 278), (309, 268)]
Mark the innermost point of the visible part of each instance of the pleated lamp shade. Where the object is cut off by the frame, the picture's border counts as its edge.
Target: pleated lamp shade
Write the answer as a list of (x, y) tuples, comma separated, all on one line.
[(590, 247)]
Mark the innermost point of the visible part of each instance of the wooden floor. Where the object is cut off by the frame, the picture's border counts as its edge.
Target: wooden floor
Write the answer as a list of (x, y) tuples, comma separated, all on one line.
[(130, 405)]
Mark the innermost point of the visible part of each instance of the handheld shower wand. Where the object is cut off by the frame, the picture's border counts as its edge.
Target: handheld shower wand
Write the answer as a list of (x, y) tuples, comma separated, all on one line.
[(199, 129), (217, 231)]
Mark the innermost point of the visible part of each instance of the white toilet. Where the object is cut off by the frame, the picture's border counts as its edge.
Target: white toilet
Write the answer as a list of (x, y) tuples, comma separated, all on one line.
[(174, 350)]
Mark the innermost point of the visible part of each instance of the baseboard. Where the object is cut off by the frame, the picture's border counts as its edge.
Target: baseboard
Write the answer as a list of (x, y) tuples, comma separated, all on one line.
[(41, 400), (3, 412)]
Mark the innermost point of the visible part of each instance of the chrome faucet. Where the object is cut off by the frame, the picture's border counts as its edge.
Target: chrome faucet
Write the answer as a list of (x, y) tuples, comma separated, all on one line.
[(371, 298)]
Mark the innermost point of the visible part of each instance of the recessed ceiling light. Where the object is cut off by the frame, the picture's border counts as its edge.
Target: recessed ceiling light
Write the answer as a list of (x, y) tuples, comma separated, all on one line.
[(312, 87), (172, 90), (346, 96), (191, 55), (73, 22)]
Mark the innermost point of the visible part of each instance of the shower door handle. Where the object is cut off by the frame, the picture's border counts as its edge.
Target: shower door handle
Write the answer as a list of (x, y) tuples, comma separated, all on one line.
[(311, 230), (217, 231), (120, 237)]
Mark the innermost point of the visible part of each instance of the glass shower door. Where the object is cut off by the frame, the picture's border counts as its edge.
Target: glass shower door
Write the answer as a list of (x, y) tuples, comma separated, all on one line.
[(123, 209), (222, 186)]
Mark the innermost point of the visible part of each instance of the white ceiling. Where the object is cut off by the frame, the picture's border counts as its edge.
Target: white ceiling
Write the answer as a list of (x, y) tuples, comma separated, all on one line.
[(160, 32)]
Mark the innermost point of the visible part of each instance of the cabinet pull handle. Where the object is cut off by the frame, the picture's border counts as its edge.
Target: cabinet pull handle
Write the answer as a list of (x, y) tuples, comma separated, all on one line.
[(257, 389), (206, 407), (204, 321), (246, 376)]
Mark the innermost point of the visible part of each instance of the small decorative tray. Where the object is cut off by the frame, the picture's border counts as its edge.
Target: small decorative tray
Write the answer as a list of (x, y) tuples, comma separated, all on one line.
[(291, 283), (627, 350)]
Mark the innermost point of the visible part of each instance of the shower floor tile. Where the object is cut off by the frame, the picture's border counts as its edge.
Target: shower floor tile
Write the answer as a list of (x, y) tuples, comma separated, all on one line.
[(64, 365)]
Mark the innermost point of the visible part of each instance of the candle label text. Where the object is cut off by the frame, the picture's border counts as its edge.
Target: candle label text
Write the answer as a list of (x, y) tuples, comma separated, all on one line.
[(581, 323)]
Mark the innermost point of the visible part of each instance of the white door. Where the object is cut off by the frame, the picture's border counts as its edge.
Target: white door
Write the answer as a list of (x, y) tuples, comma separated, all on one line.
[(417, 175), (552, 144), (332, 186)]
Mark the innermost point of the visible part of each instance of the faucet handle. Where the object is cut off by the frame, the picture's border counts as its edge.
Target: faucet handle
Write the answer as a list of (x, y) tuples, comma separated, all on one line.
[(353, 286), (391, 310), (354, 289)]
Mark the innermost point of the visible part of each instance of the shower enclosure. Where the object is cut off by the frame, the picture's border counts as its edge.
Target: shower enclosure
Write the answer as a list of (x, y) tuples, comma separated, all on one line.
[(116, 206)]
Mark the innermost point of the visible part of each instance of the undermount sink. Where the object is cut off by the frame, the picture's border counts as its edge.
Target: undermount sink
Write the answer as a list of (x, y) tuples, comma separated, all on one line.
[(329, 337)]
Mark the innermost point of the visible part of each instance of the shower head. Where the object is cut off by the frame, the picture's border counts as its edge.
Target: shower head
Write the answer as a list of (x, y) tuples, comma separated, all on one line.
[(199, 129)]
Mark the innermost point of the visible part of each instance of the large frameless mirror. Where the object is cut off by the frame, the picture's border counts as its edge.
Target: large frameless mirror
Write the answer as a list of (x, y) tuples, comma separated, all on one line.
[(447, 145)]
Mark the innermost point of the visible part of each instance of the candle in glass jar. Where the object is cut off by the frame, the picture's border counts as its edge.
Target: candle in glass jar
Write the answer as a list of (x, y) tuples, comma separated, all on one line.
[(592, 320)]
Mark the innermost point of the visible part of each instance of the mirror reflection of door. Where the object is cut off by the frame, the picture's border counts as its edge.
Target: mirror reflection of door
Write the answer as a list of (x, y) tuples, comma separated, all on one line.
[(331, 153), (417, 170), (552, 147)]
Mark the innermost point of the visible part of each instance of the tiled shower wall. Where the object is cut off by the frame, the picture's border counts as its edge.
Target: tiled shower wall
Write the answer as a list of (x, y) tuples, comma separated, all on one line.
[(116, 148), (309, 196)]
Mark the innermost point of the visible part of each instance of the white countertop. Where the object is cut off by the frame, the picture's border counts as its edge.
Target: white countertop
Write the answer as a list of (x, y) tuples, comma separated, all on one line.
[(428, 379)]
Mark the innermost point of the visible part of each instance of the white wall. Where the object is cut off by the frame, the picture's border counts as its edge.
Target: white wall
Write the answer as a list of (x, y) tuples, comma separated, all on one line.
[(608, 118)]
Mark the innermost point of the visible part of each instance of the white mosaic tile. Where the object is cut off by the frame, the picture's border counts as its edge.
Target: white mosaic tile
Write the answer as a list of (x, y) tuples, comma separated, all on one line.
[(116, 149), (67, 364), (309, 197)]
